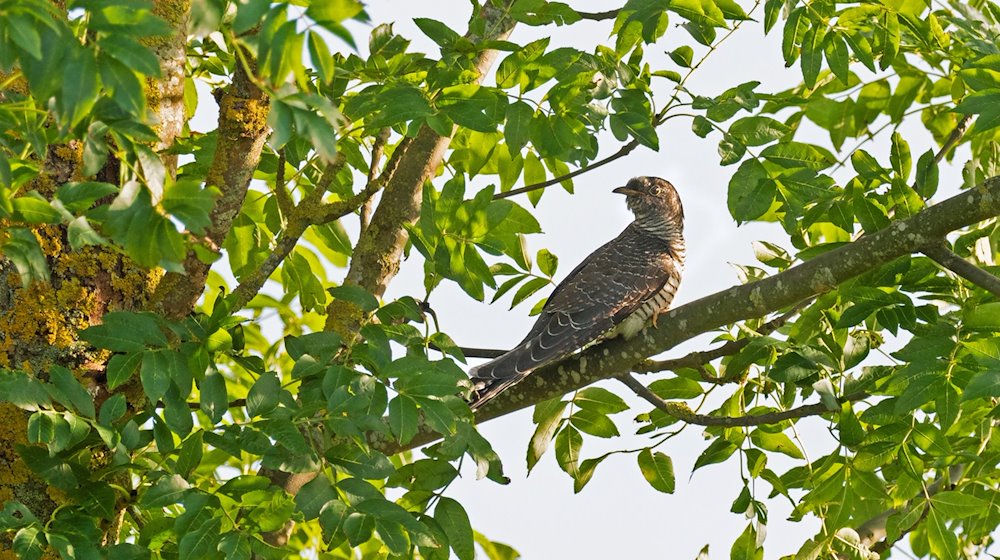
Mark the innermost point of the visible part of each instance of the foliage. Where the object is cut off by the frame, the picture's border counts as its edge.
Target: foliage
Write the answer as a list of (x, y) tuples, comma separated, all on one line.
[(180, 444)]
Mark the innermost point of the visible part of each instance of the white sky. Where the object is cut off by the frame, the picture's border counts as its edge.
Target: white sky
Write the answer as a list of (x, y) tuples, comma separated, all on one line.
[(618, 515)]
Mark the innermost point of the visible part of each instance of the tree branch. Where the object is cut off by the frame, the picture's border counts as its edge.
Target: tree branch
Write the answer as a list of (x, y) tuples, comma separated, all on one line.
[(243, 109), (308, 212), (378, 147), (683, 412), (379, 249), (624, 151), (617, 356), (697, 360), (941, 254)]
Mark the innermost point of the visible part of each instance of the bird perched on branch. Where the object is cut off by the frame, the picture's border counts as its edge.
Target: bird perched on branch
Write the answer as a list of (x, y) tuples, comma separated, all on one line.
[(617, 290)]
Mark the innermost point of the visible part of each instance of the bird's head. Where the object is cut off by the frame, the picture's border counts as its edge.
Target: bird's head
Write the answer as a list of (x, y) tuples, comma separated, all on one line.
[(656, 205)]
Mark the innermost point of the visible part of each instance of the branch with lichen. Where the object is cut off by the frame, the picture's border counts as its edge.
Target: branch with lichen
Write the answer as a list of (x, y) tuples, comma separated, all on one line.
[(243, 110), (616, 357), (377, 255)]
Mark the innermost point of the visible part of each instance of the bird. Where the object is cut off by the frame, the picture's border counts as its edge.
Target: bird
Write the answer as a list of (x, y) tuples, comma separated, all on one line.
[(616, 291)]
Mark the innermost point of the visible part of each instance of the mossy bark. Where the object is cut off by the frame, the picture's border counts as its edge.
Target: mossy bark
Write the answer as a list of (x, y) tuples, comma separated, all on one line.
[(40, 323)]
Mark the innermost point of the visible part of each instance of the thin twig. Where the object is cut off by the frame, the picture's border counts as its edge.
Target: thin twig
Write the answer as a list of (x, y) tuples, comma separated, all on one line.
[(960, 129), (378, 148), (697, 360), (281, 195), (941, 254), (624, 151), (684, 413), (308, 212)]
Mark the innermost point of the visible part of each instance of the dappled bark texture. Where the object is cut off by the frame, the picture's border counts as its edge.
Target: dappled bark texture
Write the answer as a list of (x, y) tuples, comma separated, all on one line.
[(39, 324)]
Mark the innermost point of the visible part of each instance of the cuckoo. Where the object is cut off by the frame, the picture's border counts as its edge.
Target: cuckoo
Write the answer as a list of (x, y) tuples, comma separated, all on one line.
[(617, 290)]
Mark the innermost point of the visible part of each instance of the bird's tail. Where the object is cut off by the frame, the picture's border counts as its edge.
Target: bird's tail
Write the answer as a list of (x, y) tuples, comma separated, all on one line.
[(496, 375), (483, 390)]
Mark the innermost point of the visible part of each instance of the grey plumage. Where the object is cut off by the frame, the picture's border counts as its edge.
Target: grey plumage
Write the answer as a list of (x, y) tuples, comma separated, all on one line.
[(616, 290)]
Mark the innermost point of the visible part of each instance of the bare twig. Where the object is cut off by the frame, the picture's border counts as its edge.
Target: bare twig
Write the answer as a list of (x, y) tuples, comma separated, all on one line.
[(281, 195), (960, 129), (697, 360), (378, 148), (941, 254), (683, 412), (624, 151)]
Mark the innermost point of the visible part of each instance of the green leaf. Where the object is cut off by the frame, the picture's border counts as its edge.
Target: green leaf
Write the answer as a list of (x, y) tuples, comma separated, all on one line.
[(319, 55), (957, 504), (403, 418), (547, 262), (155, 374), (984, 384), (22, 248), (33, 209), (702, 126), (214, 400), (682, 56), (356, 295), (548, 416), (519, 115), (453, 520), (900, 156), (942, 540), (440, 33), (168, 490), (599, 400), (123, 331), (676, 388), (76, 397), (658, 470), (745, 547), (751, 191), (777, 442), (316, 493), (191, 203), (717, 452), (263, 395), (757, 131), (794, 155), (568, 443), (837, 57), (595, 423)]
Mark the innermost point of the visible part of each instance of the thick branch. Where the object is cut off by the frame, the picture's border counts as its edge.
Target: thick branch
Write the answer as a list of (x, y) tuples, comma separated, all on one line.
[(684, 413), (243, 128), (617, 356), (940, 253), (379, 250)]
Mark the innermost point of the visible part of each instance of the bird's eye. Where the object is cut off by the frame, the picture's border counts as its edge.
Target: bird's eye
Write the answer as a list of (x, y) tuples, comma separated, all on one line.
[(654, 190)]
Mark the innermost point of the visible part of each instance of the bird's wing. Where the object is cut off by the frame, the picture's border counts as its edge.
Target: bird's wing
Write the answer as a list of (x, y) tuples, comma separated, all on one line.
[(597, 295)]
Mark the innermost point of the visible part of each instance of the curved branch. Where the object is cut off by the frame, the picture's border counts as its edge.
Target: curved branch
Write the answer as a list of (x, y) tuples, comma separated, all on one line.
[(617, 356), (684, 413), (624, 151), (941, 254)]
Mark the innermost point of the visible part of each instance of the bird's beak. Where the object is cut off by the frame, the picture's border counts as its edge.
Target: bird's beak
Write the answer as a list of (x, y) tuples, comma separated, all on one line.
[(626, 190)]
